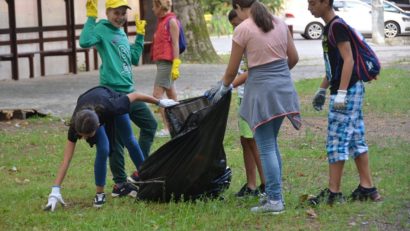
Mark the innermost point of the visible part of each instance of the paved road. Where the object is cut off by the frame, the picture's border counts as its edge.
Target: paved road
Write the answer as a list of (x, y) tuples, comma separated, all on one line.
[(57, 94)]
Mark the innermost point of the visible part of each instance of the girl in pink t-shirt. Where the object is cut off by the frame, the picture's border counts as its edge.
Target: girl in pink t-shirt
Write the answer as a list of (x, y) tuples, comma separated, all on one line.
[(269, 91)]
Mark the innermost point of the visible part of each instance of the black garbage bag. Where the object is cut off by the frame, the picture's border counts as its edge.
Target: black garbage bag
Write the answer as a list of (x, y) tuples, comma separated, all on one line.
[(192, 164)]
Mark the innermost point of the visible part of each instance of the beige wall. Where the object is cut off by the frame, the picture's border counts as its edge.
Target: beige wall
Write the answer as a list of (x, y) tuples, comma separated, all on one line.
[(53, 14)]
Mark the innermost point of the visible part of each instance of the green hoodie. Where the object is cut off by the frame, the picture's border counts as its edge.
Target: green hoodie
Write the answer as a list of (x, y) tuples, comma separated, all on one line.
[(116, 53)]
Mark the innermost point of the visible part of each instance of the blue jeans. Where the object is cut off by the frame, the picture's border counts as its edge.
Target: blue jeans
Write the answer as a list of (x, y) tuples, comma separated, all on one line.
[(266, 139), (123, 125)]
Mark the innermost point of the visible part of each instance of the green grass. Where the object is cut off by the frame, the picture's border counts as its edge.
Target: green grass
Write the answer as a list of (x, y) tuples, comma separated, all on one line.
[(35, 148)]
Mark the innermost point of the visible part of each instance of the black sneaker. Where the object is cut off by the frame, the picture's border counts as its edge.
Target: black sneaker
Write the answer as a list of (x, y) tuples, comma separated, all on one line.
[(262, 188), (134, 178), (99, 200), (328, 197), (363, 194), (126, 189), (245, 191)]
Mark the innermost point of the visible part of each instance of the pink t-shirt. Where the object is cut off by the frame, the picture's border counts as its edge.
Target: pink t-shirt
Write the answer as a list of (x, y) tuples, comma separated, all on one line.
[(261, 47)]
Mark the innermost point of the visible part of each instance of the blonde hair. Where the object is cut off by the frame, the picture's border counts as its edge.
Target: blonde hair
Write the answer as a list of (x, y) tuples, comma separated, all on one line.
[(163, 4)]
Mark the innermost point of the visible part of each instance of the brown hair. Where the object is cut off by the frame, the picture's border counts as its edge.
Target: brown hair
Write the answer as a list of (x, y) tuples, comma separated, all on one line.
[(260, 14), (85, 121)]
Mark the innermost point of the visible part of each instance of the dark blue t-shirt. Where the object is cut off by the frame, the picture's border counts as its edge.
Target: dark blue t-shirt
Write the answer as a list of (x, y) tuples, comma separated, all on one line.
[(332, 57), (108, 104)]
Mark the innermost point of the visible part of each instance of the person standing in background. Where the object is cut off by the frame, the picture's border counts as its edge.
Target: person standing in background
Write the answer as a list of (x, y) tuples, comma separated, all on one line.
[(250, 150), (165, 53)]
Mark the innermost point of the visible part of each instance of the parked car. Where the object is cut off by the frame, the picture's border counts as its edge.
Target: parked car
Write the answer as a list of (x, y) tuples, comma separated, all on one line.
[(355, 12), (403, 4)]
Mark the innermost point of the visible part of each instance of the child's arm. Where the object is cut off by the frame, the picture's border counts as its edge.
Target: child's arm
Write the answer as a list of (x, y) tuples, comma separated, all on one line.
[(68, 155), (240, 79), (88, 36), (142, 97), (138, 46), (346, 52), (55, 195), (136, 49), (150, 99), (292, 53)]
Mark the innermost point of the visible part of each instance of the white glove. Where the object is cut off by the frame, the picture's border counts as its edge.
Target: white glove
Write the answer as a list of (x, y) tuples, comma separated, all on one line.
[(167, 102), (54, 198), (340, 100), (221, 92), (319, 99)]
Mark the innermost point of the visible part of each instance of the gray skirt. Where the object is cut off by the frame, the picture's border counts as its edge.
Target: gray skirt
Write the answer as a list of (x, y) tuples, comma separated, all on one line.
[(269, 94), (163, 78)]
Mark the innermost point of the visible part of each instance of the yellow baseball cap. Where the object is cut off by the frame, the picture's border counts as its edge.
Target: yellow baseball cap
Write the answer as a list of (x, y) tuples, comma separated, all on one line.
[(116, 3)]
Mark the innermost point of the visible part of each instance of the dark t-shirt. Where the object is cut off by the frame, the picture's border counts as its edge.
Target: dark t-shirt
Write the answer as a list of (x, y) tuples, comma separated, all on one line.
[(332, 57), (108, 103)]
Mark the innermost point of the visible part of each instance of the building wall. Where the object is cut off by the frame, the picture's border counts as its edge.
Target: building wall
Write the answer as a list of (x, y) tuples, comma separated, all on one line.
[(53, 15)]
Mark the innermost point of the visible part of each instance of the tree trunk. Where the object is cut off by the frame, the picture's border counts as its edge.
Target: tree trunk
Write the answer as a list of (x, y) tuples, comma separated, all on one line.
[(378, 22), (199, 47)]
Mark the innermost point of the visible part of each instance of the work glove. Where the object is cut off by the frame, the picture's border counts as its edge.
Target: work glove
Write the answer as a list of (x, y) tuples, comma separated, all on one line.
[(211, 92), (140, 25), (319, 99), (340, 100), (175, 69), (54, 198), (92, 8), (221, 92), (167, 102)]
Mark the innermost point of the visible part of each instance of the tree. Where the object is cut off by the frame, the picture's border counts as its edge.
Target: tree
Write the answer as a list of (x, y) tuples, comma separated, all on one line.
[(199, 46), (378, 21)]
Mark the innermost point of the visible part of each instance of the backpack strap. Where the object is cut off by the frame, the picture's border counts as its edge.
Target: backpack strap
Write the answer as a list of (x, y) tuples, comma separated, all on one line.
[(331, 36)]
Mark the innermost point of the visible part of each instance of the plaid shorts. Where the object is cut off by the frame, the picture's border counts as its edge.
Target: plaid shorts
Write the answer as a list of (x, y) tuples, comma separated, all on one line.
[(346, 131)]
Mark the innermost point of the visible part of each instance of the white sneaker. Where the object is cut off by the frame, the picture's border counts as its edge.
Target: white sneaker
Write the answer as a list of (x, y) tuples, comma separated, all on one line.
[(269, 206), (162, 133)]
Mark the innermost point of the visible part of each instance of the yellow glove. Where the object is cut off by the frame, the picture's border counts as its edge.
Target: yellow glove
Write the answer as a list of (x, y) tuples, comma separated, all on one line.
[(140, 25), (175, 69), (92, 8)]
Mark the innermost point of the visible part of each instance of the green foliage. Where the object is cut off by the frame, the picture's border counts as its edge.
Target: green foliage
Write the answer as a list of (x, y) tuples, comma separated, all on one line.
[(35, 149), (218, 11), (223, 6)]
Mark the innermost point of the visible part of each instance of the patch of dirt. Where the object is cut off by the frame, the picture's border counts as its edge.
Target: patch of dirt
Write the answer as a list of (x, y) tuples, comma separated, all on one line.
[(378, 129), (15, 125)]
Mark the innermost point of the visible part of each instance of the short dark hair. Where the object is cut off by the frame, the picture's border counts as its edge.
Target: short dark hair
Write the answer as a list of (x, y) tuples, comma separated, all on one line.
[(232, 14), (86, 121), (330, 2)]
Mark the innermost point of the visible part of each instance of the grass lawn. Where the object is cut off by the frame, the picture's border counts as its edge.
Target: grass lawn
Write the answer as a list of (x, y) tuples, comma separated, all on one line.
[(31, 151)]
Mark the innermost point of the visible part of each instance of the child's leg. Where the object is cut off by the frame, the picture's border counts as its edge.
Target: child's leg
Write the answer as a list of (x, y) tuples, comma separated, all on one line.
[(362, 164), (142, 116), (257, 160), (266, 140), (249, 161), (123, 124), (335, 176), (100, 164)]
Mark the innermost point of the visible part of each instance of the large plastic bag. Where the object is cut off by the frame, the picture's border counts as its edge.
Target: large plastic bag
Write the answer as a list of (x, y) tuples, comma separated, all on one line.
[(192, 164)]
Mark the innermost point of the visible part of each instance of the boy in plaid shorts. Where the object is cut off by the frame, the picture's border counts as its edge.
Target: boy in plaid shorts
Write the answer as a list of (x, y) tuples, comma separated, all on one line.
[(346, 131)]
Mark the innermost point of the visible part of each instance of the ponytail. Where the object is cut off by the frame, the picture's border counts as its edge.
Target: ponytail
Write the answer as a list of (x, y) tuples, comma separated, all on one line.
[(260, 14), (262, 17), (85, 121)]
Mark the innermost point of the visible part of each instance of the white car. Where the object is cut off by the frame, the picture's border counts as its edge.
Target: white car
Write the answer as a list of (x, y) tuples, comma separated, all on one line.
[(355, 12)]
